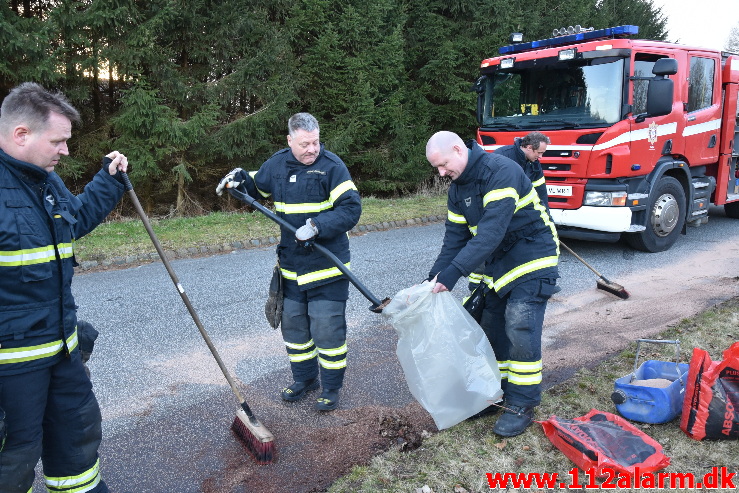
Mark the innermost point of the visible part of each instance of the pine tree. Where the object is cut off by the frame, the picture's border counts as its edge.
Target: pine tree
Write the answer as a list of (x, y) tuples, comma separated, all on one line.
[(732, 43)]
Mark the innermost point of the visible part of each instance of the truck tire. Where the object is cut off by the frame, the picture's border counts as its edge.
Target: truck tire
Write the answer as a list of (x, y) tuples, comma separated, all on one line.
[(732, 210), (666, 217)]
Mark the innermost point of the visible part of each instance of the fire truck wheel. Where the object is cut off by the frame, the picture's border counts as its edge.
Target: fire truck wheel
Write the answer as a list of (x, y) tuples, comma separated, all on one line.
[(732, 210), (666, 218)]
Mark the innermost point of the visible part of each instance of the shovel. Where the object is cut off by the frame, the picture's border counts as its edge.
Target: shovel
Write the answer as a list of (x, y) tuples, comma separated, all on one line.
[(377, 305)]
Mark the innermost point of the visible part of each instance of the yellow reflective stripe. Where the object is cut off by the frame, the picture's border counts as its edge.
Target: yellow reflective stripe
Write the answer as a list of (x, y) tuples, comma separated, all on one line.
[(524, 269), (333, 352), (500, 194), (339, 190), (289, 274), (545, 217), (305, 208), (31, 353), (315, 207), (319, 275), (80, 483), (473, 230), (299, 347), (253, 174), (518, 379), (35, 255), (332, 365), (455, 218), (297, 358), (539, 182), (529, 198), (503, 367), (525, 366), (525, 372)]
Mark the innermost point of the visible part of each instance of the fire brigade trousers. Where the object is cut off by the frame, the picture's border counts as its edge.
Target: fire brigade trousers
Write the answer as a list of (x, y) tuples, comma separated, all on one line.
[(51, 414), (314, 331), (513, 323)]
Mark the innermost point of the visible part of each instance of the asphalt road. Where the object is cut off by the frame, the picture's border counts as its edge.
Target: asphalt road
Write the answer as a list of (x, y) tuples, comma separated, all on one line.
[(166, 406)]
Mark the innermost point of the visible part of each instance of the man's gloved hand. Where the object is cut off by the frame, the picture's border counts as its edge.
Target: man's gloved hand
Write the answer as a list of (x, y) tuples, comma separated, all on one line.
[(232, 180), (306, 234)]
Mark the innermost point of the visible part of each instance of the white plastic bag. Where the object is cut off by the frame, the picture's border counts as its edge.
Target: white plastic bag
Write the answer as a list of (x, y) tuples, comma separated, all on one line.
[(447, 360)]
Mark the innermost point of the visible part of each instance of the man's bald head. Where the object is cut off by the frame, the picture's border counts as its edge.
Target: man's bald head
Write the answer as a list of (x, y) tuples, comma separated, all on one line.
[(447, 153)]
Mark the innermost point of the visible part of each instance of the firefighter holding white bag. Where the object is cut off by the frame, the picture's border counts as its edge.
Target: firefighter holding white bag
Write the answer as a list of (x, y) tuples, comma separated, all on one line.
[(496, 218)]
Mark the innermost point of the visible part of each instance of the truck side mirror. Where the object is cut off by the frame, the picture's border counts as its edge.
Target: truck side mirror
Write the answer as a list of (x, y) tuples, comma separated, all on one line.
[(479, 88), (659, 97), (661, 90)]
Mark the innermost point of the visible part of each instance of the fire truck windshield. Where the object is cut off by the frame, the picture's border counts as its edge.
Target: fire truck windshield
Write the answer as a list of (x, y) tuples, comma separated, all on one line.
[(552, 94)]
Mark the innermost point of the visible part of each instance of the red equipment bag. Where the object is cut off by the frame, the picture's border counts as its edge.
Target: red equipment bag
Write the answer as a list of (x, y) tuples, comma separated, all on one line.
[(601, 440), (711, 405)]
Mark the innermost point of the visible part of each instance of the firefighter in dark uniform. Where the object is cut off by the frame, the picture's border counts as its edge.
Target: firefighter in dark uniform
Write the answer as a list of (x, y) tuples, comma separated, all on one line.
[(526, 152), (312, 190), (49, 409), (495, 218)]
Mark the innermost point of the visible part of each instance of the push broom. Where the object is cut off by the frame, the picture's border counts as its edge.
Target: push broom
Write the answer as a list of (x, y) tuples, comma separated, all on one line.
[(602, 283), (256, 438)]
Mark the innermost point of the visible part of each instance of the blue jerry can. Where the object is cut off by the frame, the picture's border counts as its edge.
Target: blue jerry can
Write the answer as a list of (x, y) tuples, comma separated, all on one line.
[(653, 392)]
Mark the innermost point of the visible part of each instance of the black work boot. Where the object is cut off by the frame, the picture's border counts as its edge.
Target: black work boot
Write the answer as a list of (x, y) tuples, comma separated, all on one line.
[(297, 390), (514, 421), (328, 401)]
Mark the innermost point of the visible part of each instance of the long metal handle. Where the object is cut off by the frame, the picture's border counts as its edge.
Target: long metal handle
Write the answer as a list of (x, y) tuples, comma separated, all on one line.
[(183, 295), (322, 249), (580, 259)]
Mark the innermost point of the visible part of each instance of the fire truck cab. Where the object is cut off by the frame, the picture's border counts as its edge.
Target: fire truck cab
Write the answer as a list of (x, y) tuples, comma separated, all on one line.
[(643, 133)]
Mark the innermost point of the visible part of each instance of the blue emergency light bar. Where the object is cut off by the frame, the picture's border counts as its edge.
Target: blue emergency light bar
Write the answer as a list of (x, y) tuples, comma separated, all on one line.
[(609, 32)]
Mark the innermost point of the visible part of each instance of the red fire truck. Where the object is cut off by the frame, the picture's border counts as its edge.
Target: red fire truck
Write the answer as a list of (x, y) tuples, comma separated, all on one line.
[(643, 133)]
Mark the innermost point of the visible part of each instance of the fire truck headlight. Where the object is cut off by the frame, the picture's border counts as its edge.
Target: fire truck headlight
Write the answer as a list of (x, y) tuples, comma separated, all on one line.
[(605, 199), (568, 54)]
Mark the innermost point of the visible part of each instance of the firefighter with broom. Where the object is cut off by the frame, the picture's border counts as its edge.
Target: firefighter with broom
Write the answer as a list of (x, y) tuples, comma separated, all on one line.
[(496, 218), (312, 190), (47, 407)]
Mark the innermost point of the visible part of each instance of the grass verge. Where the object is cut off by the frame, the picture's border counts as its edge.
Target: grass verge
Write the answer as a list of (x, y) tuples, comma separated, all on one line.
[(457, 459), (125, 237)]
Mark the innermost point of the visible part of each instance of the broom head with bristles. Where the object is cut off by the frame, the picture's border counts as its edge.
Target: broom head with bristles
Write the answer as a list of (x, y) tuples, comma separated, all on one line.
[(612, 287), (255, 437)]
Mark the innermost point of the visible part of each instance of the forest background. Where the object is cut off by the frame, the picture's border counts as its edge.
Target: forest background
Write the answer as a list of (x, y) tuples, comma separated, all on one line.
[(189, 89)]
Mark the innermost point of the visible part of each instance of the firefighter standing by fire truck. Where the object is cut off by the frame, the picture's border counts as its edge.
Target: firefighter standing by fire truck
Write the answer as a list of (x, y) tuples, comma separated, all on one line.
[(495, 217), (526, 152)]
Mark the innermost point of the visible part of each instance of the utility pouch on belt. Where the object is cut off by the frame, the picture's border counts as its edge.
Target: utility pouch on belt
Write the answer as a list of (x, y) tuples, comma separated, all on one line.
[(475, 302), (273, 307)]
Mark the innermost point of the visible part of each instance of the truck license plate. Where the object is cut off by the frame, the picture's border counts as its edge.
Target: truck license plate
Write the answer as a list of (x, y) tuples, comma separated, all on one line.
[(560, 190)]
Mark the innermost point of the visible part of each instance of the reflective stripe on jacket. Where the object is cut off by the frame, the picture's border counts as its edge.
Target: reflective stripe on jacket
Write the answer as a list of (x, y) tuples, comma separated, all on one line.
[(39, 222), (322, 191), (495, 217)]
